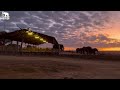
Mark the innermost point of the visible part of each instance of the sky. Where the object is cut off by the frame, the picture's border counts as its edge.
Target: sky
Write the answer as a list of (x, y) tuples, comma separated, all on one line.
[(73, 29)]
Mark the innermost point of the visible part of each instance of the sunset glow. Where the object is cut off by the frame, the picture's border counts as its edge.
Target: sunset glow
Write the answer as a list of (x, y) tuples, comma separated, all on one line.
[(69, 49), (100, 49), (110, 49)]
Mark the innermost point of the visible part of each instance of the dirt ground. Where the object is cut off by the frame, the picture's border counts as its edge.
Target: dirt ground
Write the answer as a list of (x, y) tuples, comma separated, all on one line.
[(45, 67)]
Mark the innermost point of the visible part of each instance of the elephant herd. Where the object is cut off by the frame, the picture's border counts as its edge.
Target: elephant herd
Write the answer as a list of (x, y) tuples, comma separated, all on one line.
[(87, 51)]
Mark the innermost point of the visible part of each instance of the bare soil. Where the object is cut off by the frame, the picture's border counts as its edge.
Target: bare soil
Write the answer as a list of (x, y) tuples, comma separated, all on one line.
[(48, 67)]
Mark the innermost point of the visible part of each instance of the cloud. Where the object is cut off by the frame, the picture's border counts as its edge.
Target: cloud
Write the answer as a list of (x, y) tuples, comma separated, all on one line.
[(72, 28), (101, 40)]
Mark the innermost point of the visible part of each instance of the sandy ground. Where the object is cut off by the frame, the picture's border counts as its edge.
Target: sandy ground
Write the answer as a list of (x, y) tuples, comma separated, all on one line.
[(44, 67)]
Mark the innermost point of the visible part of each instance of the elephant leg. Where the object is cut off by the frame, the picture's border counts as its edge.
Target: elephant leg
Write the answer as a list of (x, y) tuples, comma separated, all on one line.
[(86, 52)]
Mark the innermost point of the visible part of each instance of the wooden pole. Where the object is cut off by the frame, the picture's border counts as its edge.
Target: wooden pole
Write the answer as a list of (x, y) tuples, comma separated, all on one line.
[(17, 47), (21, 46), (11, 42)]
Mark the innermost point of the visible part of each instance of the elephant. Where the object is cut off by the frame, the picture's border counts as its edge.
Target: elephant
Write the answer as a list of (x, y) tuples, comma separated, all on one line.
[(87, 50), (58, 47), (80, 50), (95, 51), (61, 47), (90, 50), (77, 50)]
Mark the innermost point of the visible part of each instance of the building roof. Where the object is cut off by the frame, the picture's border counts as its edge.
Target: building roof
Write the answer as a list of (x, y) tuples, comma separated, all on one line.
[(28, 36)]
